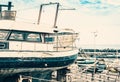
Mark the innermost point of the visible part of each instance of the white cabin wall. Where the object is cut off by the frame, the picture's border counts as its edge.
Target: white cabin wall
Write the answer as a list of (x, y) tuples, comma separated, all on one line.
[(14, 45), (28, 46), (44, 47)]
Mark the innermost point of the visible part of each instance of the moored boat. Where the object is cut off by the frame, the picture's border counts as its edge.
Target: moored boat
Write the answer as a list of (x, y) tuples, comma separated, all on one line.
[(29, 48)]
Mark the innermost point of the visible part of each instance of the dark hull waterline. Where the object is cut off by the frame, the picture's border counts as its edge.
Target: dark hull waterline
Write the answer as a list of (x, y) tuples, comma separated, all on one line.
[(12, 65)]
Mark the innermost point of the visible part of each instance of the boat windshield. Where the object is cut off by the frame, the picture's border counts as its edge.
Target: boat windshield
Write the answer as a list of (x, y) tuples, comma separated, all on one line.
[(48, 38), (3, 34)]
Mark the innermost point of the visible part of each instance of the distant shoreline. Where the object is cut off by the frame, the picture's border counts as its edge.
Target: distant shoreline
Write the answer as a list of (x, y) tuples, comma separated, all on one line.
[(102, 46), (100, 50)]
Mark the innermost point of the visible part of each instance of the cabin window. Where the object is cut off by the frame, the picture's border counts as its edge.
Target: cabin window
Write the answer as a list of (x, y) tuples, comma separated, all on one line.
[(3, 34), (67, 33), (16, 36), (48, 38), (34, 37), (25, 36)]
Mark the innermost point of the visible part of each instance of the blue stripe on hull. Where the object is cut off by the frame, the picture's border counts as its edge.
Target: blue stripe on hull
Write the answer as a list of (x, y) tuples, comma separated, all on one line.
[(32, 62)]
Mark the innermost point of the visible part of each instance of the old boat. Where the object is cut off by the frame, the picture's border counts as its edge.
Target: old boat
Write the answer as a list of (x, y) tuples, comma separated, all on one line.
[(28, 48)]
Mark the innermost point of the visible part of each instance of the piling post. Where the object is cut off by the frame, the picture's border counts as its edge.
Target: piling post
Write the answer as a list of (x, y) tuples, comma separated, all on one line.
[(61, 75), (24, 78)]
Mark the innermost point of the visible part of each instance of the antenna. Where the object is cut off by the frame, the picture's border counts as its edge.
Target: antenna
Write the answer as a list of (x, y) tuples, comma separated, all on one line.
[(9, 6), (68, 9), (95, 35)]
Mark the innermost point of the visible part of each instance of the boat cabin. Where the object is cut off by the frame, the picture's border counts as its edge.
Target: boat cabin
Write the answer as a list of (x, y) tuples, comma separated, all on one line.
[(30, 37), (15, 37)]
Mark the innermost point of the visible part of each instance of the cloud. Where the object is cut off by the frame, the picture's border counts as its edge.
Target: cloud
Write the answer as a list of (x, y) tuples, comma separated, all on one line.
[(90, 1), (100, 7)]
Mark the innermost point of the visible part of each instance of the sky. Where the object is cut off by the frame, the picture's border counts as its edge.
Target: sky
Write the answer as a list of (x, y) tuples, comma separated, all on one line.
[(89, 16)]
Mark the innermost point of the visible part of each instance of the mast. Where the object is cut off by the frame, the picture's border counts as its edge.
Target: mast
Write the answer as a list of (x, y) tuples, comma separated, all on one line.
[(40, 11), (56, 14)]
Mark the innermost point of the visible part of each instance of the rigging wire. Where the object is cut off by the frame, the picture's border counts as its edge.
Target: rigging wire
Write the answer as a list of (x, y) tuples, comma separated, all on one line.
[(25, 20), (34, 21), (28, 8)]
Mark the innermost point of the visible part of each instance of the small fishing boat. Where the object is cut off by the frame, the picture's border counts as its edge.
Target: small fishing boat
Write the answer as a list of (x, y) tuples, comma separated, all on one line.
[(27, 48)]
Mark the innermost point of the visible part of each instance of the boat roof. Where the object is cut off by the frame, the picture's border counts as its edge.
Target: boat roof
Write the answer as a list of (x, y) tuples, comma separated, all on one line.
[(23, 26)]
